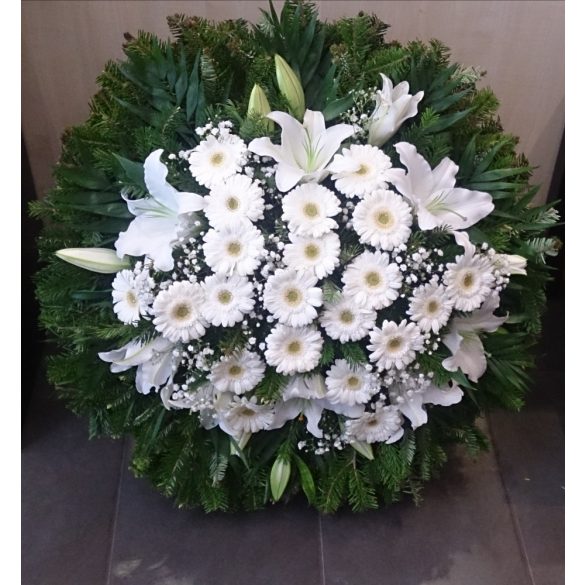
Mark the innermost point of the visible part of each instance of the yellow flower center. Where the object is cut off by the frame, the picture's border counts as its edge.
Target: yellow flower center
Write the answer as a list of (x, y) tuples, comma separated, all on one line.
[(131, 298), (294, 347), (232, 203), (181, 311), (245, 411), (293, 296), (311, 251), (217, 158), (394, 344), (225, 297), (468, 280), (384, 219), (234, 248), (311, 210), (346, 317), (363, 170), (235, 371), (432, 307), (373, 279), (353, 382)]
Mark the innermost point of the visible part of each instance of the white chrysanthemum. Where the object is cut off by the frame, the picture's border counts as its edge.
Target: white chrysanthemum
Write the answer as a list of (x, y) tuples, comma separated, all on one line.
[(245, 416), (309, 209), (430, 307), (372, 281), (350, 385), (382, 219), (235, 201), (128, 304), (469, 281), (227, 299), (233, 250), (177, 312), (292, 297), (360, 169), (215, 160), (238, 373), (383, 425), (345, 321), (395, 345), (293, 350), (318, 256)]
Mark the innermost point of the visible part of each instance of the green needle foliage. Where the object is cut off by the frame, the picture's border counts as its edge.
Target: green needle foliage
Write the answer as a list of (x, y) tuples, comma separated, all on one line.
[(155, 98)]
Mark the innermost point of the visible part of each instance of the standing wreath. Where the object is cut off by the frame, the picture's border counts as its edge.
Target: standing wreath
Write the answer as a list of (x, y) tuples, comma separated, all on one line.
[(280, 276)]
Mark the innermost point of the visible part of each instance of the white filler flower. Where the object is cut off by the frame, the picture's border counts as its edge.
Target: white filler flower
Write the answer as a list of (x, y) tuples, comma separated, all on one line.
[(469, 280), (227, 299), (215, 160), (394, 345), (371, 281), (177, 312), (350, 385), (317, 256), (305, 149), (432, 192), (233, 250), (293, 350), (233, 202), (309, 209), (360, 169), (382, 426), (382, 219), (430, 307), (292, 297), (159, 218), (238, 373), (394, 105), (129, 305), (342, 319)]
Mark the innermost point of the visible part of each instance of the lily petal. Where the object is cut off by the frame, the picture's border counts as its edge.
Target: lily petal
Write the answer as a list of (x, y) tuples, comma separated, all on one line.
[(470, 358), (155, 178), (417, 184), (443, 396), (412, 408)]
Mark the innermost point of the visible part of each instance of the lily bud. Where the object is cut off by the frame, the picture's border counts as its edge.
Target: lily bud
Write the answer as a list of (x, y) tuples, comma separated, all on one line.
[(258, 105), (102, 260), (279, 476), (364, 449), (290, 87)]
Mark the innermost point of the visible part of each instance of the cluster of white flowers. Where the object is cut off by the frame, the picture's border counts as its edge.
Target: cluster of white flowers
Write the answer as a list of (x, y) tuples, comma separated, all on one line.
[(288, 248)]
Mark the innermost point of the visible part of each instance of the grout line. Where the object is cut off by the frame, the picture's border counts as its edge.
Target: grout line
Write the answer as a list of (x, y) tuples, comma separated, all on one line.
[(322, 550), (114, 526), (515, 520)]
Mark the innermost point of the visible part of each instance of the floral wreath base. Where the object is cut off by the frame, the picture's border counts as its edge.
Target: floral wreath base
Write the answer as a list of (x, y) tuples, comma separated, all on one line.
[(280, 277)]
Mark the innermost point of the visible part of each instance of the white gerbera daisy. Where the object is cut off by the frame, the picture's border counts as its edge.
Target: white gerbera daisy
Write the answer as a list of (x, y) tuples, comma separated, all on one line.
[(350, 385), (382, 219), (292, 297), (371, 281), (469, 281), (239, 372), (345, 321), (360, 169), (128, 304), (383, 425), (244, 416), (215, 160), (318, 256), (177, 312), (308, 209), (234, 201), (227, 299), (395, 345), (430, 307), (293, 350), (233, 250)]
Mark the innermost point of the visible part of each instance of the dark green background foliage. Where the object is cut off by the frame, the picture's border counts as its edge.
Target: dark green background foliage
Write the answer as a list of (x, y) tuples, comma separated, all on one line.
[(154, 99)]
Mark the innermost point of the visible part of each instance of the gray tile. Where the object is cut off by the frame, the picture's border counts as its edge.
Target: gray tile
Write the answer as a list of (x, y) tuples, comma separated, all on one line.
[(463, 534), (529, 447), (157, 544), (69, 488)]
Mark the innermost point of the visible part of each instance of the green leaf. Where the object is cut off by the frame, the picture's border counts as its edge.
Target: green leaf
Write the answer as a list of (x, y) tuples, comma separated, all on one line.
[(134, 171), (85, 177), (307, 481)]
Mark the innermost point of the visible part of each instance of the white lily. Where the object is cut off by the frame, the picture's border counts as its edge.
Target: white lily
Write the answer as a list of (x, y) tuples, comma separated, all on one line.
[(394, 105), (432, 192), (464, 342), (305, 395), (305, 149), (412, 406), (509, 264), (154, 360), (102, 260), (159, 219)]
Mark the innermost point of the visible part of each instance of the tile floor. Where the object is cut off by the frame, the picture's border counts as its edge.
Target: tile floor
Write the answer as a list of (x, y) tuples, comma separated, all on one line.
[(498, 520)]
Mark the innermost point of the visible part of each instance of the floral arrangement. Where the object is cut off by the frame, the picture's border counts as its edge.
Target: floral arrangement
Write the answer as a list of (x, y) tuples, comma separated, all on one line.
[(291, 257)]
